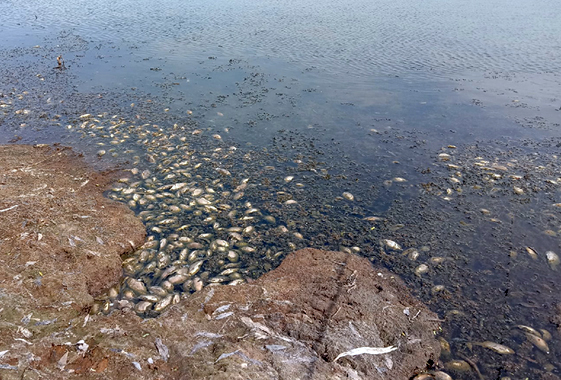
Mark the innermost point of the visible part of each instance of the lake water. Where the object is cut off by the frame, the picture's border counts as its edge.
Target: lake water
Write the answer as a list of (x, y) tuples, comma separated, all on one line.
[(346, 97)]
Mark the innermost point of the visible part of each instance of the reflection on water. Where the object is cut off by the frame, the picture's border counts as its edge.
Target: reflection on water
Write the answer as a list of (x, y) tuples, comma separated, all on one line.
[(403, 104)]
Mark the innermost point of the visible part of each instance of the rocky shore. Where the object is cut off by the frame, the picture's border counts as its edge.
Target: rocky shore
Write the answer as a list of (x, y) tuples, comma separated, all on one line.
[(61, 244)]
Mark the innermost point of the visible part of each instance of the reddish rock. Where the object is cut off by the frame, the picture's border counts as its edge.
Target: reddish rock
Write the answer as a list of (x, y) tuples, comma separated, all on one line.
[(299, 317)]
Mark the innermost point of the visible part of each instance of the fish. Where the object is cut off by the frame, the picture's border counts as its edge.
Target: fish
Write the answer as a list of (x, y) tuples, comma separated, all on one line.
[(538, 342), (530, 330), (498, 348), (348, 196), (532, 252), (392, 244), (552, 259)]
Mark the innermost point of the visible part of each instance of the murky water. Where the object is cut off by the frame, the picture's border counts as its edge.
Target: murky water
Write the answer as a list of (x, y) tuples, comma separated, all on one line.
[(442, 120)]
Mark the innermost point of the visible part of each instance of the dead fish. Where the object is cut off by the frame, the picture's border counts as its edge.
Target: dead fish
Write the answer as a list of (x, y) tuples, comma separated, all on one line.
[(392, 244), (137, 286), (222, 243), (195, 267), (161, 305), (348, 196), (373, 218), (423, 376), (458, 365), (445, 348), (439, 375), (437, 260), (421, 269), (538, 342), (142, 306), (546, 335), (178, 186), (437, 289), (552, 259), (411, 253), (248, 230), (498, 348), (532, 252), (158, 291), (198, 284), (223, 171), (203, 201)]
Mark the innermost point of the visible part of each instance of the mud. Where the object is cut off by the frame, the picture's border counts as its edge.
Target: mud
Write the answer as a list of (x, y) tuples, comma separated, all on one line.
[(53, 220)]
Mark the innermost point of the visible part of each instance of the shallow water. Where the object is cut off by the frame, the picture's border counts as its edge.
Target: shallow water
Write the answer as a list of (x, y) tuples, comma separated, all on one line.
[(344, 97)]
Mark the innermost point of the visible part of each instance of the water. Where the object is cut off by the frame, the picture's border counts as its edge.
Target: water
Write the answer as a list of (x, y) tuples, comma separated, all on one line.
[(344, 97)]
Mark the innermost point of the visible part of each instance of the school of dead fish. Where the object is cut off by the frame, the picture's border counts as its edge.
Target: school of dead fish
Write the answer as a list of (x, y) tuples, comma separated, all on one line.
[(201, 228)]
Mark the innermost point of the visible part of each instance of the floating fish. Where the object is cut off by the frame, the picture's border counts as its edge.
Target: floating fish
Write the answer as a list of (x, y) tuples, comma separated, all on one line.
[(532, 252), (538, 342), (552, 259), (530, 330), (421, 269), (498, 348), (392, 244), (348, 196)]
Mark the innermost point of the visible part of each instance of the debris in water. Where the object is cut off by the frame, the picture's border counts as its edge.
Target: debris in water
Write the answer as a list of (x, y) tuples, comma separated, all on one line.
[(60, 63)]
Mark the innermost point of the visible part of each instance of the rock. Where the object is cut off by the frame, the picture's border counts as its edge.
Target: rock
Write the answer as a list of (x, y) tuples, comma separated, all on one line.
[(313, 307)]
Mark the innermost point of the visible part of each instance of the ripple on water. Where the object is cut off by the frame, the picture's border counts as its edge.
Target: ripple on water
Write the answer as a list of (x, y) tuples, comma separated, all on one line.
[(360, 37)]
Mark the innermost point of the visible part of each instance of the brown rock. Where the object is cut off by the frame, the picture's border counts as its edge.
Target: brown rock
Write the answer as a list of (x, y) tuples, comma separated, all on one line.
[(299, 317)]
